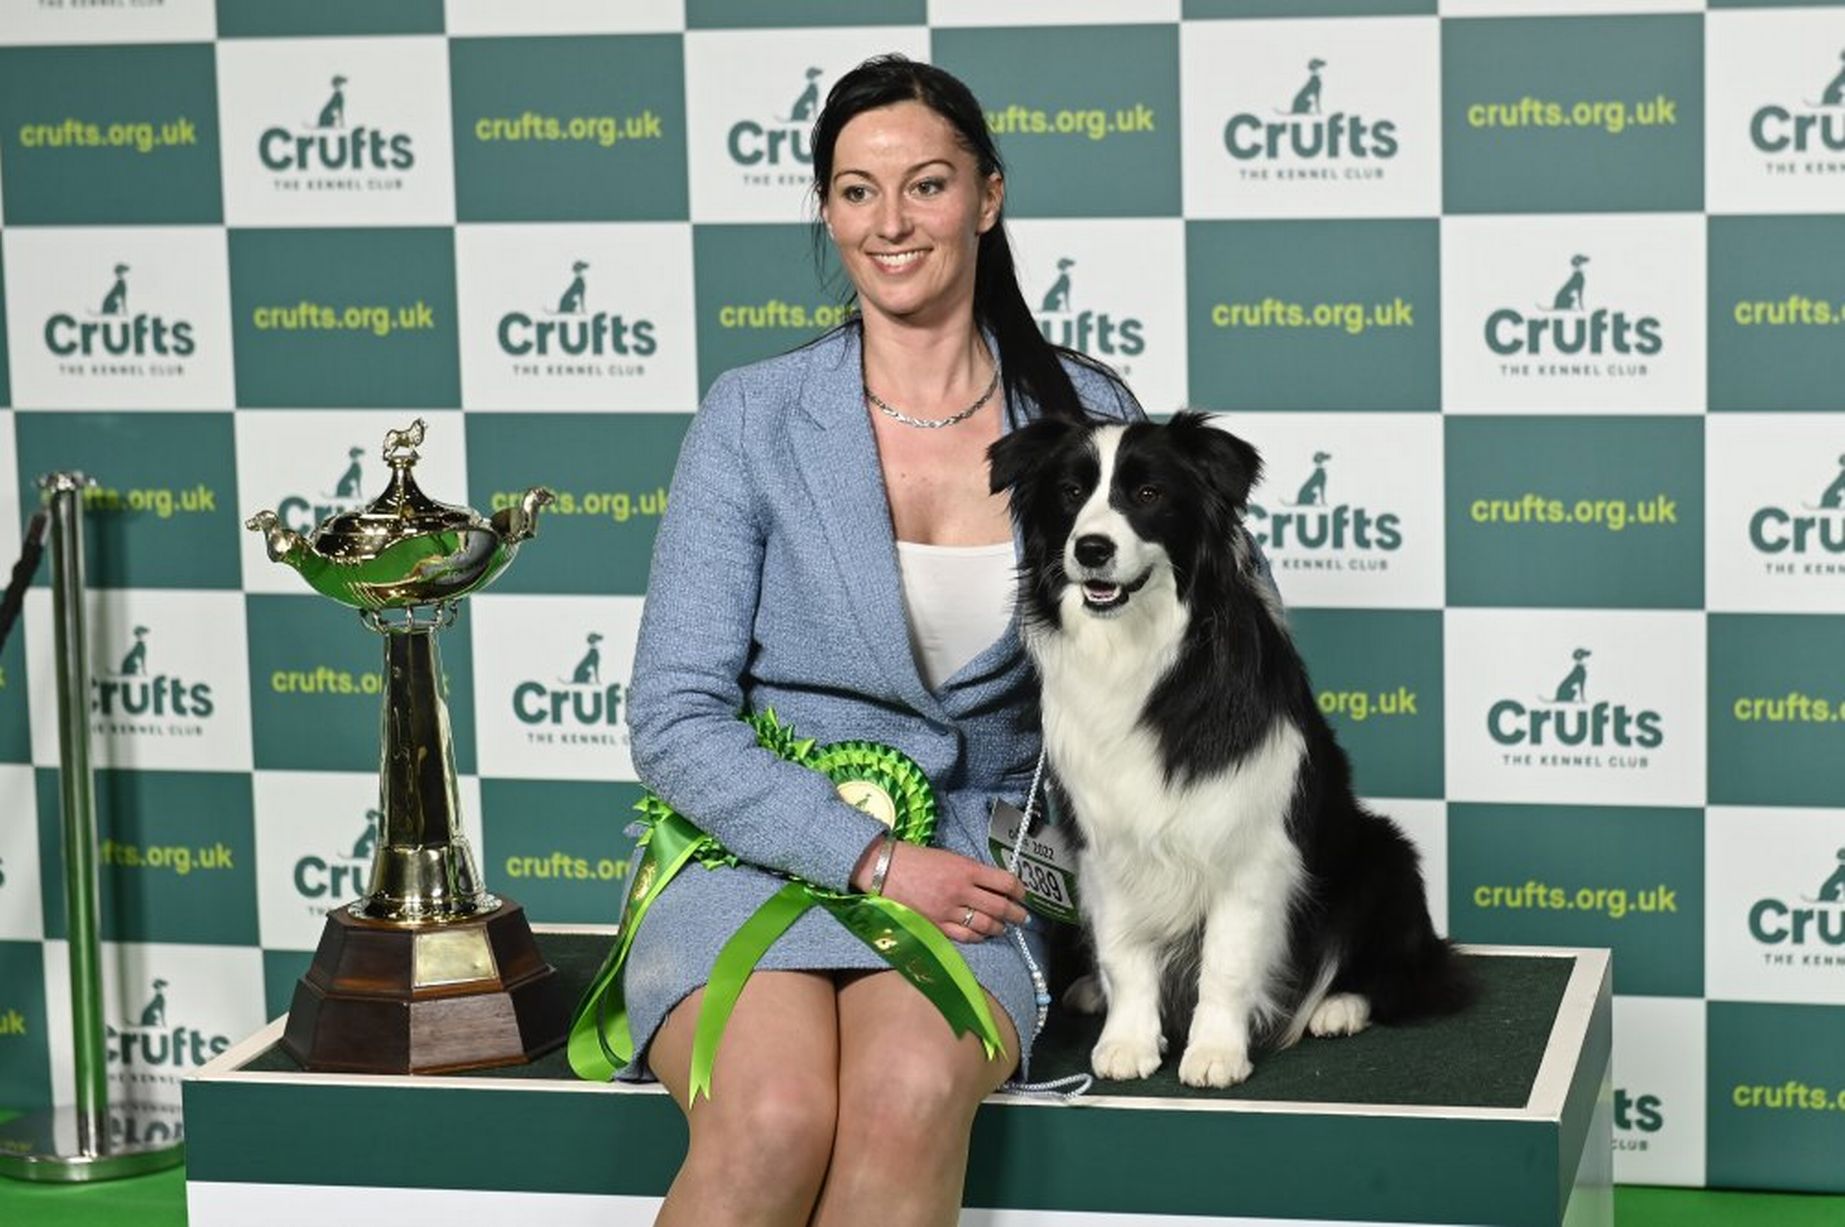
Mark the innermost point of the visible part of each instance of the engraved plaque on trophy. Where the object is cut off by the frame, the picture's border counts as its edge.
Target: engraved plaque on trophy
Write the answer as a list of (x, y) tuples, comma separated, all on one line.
[(428, 971)]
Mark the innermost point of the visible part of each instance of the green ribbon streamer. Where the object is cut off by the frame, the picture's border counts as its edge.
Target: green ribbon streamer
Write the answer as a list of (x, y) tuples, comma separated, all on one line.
[(601, 1041)]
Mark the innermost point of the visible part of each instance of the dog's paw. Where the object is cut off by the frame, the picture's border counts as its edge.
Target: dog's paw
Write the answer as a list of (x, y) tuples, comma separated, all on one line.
[(1340, 1014), (1120, 1060), (1215, 1065), (1085, 995)]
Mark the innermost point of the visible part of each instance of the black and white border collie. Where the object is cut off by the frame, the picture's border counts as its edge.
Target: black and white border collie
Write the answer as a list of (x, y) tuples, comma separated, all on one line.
[(1227, 872)]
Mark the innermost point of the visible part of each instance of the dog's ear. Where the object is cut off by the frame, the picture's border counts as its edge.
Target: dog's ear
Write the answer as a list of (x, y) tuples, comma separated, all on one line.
[(1230, 464), (1023, 450)]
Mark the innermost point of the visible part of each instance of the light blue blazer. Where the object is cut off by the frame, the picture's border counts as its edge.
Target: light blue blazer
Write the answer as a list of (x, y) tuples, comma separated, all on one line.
[(775, 584)]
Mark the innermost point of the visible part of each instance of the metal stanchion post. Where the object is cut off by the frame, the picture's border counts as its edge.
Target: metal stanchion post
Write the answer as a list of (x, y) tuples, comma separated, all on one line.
[(85, 1141)]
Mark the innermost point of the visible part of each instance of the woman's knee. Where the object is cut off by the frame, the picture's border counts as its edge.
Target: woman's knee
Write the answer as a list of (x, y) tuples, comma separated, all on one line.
[(778, 1128), (912, 1098)]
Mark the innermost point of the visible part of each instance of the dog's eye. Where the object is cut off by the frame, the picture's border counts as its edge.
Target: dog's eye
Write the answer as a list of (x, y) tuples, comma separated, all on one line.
[(1148, 495), (1070, 492)]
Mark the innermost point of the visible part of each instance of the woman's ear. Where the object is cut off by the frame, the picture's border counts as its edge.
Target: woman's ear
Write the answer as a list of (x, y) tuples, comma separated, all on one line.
[(993, 200)]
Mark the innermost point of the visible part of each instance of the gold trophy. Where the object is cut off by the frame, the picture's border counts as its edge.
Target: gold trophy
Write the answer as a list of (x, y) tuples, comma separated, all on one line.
[(428, 972)]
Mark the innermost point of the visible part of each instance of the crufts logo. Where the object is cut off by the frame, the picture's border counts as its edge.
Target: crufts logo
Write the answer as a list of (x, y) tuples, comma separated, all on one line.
[(1093, 332), (1307, 133), (1805, 126), (1636, 1119), (113, 331), (1301, 532), (328, 880), (572, 330), (1567, 719), (305, 512), (327, 144), (1811, 527), (132, 690), (1569, 326), (152, 1045), (783, 142), (578, 710), (1818, 918)]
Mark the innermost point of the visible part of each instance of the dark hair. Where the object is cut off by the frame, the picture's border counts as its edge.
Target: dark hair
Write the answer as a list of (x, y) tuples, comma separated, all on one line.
[(1028, 362)]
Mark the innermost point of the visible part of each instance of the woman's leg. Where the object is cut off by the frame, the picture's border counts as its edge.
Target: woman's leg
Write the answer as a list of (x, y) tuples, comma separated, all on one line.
[(907, 1093), (761, 1141)]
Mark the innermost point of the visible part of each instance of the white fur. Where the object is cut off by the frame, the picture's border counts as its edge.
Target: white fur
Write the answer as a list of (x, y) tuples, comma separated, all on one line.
[(1163, 859)]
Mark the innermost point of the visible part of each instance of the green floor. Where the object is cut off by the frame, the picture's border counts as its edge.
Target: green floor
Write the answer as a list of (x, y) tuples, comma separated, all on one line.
[(160, 1201)]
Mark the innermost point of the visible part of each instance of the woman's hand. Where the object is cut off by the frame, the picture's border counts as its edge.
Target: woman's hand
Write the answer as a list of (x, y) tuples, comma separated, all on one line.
[(944, 886)]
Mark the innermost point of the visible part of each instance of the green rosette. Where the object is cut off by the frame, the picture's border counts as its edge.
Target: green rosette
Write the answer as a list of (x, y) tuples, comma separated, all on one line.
[(875, 778)]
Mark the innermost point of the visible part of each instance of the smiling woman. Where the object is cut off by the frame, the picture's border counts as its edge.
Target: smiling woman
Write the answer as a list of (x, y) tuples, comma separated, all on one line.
[(829, 514)]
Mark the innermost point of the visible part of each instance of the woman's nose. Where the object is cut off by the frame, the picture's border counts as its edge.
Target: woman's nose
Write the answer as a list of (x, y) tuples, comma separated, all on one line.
[(893, 216)]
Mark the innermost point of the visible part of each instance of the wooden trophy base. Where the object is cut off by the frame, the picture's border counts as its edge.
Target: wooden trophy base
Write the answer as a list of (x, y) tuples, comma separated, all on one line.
[(386, 997)]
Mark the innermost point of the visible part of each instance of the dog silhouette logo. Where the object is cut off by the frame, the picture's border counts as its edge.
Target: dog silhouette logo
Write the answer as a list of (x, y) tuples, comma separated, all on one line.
[(154, 1013), (368, 839), (134, 664), (351, 481), (1569, 298), (1832, 890), (115, 302), (333, 114), (1575, 684), (1834, 496), (589, 669), (572, 301), (1057, 298), (1307, 97), (1313, 490), (1834, 93), (809, 101)]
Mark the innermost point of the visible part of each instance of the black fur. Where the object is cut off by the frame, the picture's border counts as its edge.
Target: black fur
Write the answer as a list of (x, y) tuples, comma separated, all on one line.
[(1237, 672)]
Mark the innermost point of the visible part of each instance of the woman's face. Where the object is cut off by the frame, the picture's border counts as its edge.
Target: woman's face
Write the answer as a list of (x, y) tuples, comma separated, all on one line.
[(907, 206)]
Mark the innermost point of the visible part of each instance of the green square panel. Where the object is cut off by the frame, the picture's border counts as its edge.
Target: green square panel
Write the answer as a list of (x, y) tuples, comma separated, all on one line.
[(110, 135), (15, 725), (317, 682), (330, 318), (162, 514), (610, 473), (1579, 512), (761, 290), (1520, 875), (1573, 114), (1775, 1096), (293, 18), (558, 847), (727, 14), (1087, 117), (1314, 314), (25, 1047), (175, 856), (1377, 675), (1777, 700), (1777, 315), (569, 129)]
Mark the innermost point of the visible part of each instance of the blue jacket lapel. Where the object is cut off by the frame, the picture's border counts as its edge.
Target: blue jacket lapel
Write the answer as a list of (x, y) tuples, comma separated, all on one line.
[(838, 459)]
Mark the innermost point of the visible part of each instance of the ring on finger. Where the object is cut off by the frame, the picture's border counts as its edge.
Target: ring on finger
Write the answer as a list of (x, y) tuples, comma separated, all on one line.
[(967, 918)]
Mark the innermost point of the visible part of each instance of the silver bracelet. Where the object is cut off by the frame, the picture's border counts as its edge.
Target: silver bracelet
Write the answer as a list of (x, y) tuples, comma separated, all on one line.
[(881, 869)]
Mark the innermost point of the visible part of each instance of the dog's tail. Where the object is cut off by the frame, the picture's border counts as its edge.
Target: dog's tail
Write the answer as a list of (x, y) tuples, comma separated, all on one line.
[(1434, 981), (1322, 982)]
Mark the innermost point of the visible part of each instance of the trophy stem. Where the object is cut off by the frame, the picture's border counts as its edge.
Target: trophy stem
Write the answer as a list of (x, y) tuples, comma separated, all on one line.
[(423, 869)]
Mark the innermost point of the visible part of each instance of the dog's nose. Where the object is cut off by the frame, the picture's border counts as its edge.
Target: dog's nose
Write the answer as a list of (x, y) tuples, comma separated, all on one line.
[(1093, 549)]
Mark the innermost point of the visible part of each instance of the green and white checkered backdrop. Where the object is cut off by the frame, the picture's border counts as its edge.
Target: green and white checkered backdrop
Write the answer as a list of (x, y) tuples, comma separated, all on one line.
[(1533, 306)]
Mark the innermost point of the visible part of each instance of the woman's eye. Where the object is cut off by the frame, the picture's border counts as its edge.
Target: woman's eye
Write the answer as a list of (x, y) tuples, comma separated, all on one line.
[(853, 194), (1147, 495), (929, 187)]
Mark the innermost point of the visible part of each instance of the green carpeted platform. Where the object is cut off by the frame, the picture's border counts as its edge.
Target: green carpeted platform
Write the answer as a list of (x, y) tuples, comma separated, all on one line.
[(1486, 1058)]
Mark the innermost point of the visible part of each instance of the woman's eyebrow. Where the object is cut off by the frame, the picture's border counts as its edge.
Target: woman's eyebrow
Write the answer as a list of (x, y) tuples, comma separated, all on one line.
[(906, 174)]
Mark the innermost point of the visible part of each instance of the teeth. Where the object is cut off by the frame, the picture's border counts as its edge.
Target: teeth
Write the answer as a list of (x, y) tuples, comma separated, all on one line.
[(898, 261)]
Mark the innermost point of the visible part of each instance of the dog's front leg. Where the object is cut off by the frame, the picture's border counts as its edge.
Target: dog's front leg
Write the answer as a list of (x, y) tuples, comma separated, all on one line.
[(1131, 1043), (1245, 937)]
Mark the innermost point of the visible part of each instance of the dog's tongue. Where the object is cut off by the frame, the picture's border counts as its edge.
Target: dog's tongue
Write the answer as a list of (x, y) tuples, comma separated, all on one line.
[(1098, 591)]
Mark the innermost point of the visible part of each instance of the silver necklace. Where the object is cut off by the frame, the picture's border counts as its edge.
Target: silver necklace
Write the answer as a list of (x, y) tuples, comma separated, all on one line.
[(934, 423)]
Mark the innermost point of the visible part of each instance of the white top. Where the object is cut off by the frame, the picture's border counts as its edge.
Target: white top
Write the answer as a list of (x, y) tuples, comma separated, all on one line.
[(959, 599)]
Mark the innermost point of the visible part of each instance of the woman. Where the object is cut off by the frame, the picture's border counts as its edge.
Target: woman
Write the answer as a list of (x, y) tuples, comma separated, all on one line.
[(831, 551)]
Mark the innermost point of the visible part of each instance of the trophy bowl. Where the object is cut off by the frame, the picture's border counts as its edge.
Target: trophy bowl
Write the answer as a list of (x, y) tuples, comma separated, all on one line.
[(428, 971)]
